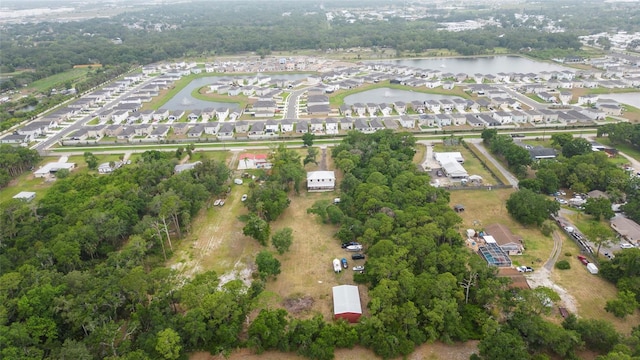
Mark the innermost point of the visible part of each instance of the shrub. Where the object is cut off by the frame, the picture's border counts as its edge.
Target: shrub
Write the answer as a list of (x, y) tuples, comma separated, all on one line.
[(563, 265), (567, 254)]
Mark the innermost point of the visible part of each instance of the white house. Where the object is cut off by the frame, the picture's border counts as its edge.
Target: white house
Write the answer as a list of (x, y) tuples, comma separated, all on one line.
[(321, 181)]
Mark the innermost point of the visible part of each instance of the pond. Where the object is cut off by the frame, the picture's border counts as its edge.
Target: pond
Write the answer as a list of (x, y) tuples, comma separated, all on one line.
[(482, 65), (632, 99), (387, 95), (184, 101)]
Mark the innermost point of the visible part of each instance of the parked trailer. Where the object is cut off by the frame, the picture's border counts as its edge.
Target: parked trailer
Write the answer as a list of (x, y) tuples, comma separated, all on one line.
[(336, 266), (593, 269)]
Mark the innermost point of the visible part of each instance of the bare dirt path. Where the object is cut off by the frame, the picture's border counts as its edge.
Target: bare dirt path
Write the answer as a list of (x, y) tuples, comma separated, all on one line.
[(323, 159), (555, 253)]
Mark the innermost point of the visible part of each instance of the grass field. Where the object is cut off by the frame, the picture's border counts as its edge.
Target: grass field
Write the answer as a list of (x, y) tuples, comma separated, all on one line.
[(590, 291), (491, 168), (57, 80)]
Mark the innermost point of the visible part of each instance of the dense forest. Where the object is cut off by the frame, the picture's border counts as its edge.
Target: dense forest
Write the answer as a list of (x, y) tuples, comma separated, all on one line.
[(14, 161)]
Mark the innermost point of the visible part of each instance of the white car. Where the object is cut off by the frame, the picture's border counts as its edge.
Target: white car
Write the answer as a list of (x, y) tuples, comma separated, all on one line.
[(237, 181), (216, 203), (358, 268), (626, 246), (244, 197)]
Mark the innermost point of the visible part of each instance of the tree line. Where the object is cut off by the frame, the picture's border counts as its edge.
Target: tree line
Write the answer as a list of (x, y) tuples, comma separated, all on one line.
[(14, 161)]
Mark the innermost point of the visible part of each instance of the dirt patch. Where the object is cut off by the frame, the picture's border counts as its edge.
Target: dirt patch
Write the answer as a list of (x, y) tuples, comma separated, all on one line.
[(542, 277), (298, 304), (434, 351)]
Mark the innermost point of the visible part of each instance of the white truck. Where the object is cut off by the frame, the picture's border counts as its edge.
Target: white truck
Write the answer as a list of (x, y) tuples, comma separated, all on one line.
[(337, 267), (593, 269)]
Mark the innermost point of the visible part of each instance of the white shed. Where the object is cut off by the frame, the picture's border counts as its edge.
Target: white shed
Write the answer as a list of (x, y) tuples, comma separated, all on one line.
[(25, 195)]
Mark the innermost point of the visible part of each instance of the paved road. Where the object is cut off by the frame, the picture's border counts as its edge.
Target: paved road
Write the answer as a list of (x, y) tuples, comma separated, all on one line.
[(53, 139), (510, 178), (523, 99), (291, 104)]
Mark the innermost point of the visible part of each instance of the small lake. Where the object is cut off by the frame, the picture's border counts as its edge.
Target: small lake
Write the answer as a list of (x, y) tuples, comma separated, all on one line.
[(481, 65), (184, 101), (387, 95), (632, 99)]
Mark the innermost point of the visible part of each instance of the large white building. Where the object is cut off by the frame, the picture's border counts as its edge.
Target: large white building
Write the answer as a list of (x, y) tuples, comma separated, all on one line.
[(321, 181)]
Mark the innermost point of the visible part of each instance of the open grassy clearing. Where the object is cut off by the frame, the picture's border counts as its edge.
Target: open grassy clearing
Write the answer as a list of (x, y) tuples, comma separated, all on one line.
[(484, 207), (58, 80), (590, 291)]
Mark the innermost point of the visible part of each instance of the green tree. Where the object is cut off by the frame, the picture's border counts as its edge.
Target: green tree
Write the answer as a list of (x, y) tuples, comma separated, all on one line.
[(287, 168), (267, 265), (560, 139), (624, 304), (599, 207), (91, 160), (282, 240), (308, 138), (488, 135), (312, 153), (268, 331), (577, 146), (530, 208), (268, 201), (168, 344), (599, 234), (257, 229), (503, 345)]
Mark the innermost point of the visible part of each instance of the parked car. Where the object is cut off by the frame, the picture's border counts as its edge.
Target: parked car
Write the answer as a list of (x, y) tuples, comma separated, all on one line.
[(238, 181), (609, 255), (216, 203), (439, 173), (344, 263), (244, 197), (525, 268), (357, 256), (221, 202), (626, 246), (358, 268), (583, 259)]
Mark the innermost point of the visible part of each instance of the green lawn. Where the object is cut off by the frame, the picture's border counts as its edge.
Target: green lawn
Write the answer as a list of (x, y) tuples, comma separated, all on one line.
[(625, 148), (57, 80)]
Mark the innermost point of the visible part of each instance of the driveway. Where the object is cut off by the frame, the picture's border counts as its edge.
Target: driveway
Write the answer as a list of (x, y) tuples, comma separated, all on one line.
[(506, 173)]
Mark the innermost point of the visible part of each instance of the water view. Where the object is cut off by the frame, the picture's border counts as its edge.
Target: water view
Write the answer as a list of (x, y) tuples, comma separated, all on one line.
[(632, 99), (482, 65), (387, 95), (184, 101)]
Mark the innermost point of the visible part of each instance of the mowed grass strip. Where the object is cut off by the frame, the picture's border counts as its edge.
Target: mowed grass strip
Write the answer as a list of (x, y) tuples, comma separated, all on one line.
[(497, 174), (58, 80)]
